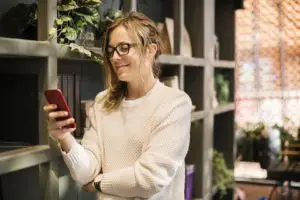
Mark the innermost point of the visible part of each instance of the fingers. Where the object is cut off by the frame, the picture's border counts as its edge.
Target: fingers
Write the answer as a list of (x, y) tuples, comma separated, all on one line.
[(49, 107), (54, 125), (60, 124), (57, 114), (56, 128)]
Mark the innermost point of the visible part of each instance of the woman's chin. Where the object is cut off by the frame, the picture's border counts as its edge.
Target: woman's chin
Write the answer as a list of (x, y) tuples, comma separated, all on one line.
[(124, 77)]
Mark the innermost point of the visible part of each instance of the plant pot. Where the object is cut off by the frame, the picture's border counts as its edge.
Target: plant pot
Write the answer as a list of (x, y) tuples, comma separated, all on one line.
[(261, 152), (245, 149)]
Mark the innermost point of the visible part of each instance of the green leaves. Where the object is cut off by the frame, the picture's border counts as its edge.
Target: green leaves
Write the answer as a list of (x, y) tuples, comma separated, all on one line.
[(110, 16), (91, 54), (72, 5), (52, 33), (92, 20), (91, 2), (67, 7), (76, 48), (74, 17), (71, 34), (222, 177)]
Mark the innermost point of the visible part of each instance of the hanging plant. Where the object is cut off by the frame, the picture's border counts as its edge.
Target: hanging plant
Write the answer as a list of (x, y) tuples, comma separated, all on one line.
[(73, 18)]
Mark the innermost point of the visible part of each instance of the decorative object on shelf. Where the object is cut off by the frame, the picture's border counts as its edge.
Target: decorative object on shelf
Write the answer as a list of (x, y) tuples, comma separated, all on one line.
[(223, 178), (222, 88), (189, 176), (216, 48), (166, 30), (215, 102)]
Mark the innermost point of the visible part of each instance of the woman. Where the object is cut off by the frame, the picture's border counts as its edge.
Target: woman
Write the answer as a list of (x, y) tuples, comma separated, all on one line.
[(139, 129)]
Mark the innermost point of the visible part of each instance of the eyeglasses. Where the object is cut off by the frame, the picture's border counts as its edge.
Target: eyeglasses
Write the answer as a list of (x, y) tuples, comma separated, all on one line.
[(121, 49)]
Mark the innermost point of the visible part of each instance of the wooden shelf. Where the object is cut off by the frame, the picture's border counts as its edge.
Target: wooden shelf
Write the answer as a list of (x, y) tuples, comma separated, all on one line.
[(224, 64), (197, 115), (181, 60), (63, 52), (195, 76), (224, 108), (30, 48), (26, 157), (20, 47)]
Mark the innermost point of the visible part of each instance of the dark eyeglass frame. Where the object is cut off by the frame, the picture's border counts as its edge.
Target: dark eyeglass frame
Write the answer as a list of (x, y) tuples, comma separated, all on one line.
[(111, 53)]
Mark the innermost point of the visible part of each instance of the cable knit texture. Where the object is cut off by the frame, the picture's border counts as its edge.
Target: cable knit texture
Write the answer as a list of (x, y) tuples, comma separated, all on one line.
[(140, 148)]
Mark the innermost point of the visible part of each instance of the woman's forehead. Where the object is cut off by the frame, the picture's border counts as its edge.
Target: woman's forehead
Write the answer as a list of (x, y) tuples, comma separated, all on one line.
[(118, 35)]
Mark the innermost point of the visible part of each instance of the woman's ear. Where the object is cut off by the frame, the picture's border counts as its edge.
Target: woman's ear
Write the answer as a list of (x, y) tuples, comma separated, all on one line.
[(152, 49)]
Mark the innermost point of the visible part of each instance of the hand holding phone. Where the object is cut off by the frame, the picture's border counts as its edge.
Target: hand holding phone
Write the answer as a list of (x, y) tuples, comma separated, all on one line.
[(55, 96)]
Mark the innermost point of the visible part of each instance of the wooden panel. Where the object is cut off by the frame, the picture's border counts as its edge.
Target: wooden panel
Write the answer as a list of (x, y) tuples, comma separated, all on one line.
[(195, 156), (11, 161), (177, 59), (194, 22), (225, 28), (224, 64), (208, 85), (19, 47), (19, 118), (224, 140), (194, 85), (130, 5), (22, 184), (224, 108), (157, 10), (178, 26)]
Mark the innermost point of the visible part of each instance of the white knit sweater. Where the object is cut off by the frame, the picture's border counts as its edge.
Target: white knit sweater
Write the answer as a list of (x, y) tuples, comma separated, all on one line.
[(139, 148)]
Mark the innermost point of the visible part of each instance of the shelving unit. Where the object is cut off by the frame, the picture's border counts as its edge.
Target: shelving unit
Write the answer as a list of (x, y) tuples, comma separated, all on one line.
[(53, 66)]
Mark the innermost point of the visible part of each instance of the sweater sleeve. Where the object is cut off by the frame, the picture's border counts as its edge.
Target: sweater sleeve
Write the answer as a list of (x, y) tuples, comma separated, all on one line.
[(84, 161), (164, 154)]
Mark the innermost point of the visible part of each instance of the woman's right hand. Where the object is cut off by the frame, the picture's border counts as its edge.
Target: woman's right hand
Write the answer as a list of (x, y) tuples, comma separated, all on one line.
[(56, 128)]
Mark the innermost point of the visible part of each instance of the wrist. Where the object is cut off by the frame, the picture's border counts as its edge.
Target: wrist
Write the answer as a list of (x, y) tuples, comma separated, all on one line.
[(64, 138), (66, 142)]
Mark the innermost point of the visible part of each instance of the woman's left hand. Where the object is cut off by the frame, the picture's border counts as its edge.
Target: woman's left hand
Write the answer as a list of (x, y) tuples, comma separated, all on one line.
[(89, 187)]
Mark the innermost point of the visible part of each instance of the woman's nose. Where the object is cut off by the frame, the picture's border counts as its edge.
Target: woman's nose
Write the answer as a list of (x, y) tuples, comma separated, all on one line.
[(115, 56)]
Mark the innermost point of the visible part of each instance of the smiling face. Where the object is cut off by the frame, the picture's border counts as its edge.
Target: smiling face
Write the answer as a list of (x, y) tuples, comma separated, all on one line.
[(126, 57)]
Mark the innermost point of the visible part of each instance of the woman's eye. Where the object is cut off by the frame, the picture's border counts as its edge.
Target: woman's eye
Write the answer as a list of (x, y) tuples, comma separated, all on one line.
[(123, 48)]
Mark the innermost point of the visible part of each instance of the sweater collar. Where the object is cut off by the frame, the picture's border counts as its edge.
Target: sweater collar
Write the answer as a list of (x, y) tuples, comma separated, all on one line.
[(130, 103)]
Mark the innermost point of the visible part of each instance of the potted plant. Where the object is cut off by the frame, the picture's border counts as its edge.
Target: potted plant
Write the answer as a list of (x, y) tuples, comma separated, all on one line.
[(223, 178), (78, 24)]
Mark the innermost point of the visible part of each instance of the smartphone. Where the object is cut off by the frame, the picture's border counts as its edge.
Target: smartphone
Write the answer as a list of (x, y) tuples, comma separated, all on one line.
[(56, 96)]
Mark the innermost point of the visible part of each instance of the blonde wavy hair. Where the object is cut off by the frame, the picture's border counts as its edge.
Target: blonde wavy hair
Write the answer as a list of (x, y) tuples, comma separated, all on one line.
[(144, 31)]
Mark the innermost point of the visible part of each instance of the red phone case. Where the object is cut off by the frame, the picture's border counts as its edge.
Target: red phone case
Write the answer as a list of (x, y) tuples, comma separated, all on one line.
[(56, 96)]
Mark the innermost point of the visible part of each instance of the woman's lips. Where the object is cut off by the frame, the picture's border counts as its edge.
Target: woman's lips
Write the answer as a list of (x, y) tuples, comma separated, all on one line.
[(121, 66)]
